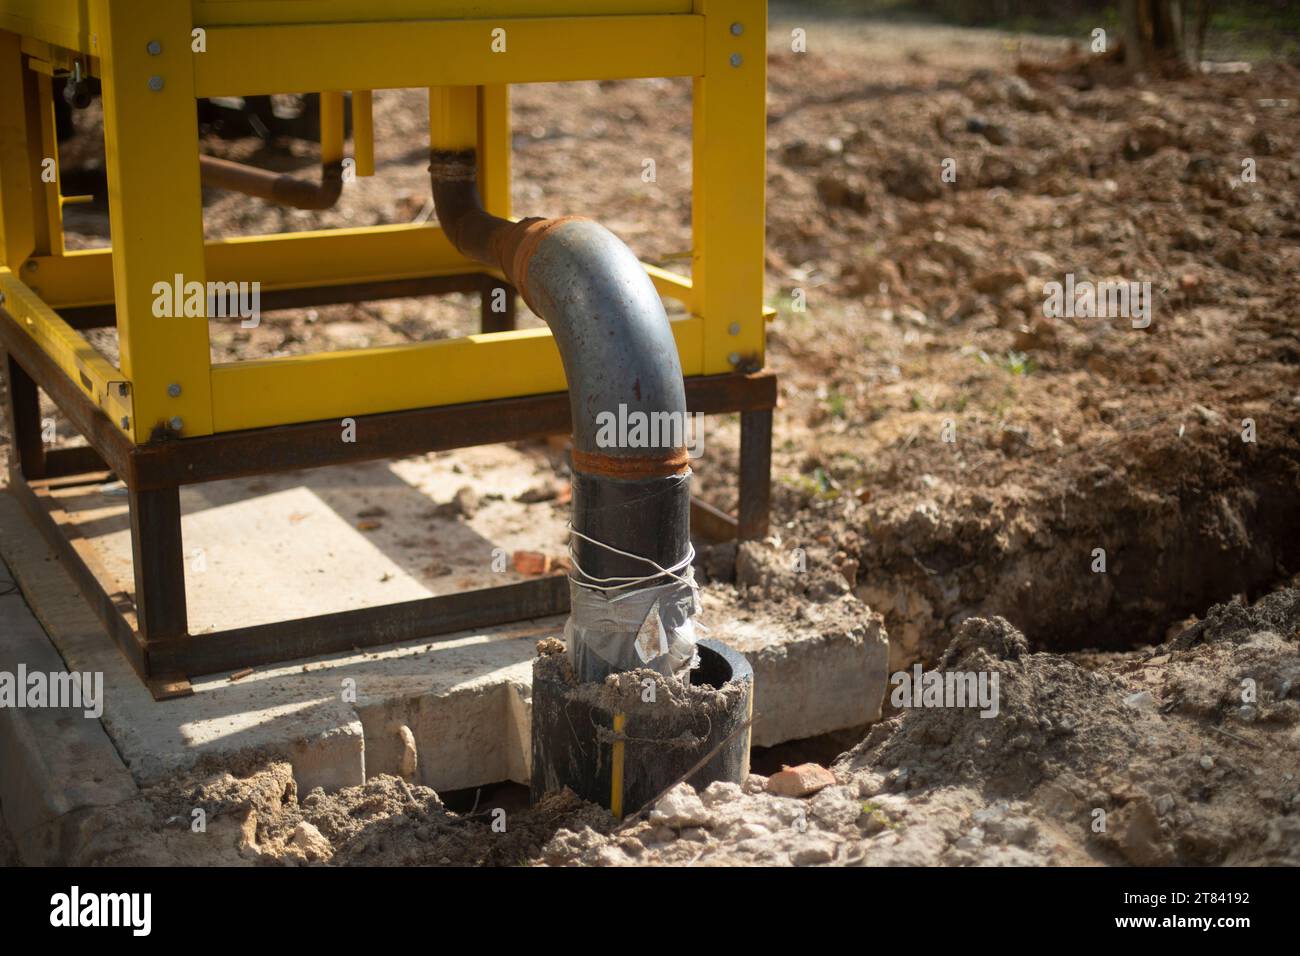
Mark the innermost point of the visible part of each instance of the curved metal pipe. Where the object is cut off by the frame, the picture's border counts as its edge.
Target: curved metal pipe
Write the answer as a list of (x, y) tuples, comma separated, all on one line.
[(621, 363), (608, 321), (274, 187)]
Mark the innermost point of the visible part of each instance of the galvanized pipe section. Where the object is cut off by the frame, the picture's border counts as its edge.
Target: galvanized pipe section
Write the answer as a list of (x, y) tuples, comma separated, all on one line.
[(621, 362)]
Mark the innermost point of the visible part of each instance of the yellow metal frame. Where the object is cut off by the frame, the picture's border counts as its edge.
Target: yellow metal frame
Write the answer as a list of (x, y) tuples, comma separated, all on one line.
[(279, 46)]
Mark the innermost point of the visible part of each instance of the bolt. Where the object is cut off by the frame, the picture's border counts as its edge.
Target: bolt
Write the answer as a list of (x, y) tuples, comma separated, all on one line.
[(177, 423), (734, 358), (737, 29), (155, 83), (123, 389), (31, 265), (736, 59), (733, 328), (126, 423), (154, 47), (174, 390)]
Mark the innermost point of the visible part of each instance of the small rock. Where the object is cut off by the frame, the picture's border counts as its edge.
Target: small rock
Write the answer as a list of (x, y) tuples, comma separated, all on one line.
[(1142, 700), (538, 494), (1138, 836), (465, 501), (409, 759), (819, 851), (998, 281), (311, 841), (755, 783), (679, 808), (550, 647), (720, 792), (837, 190), (1207, 762), (995, 133), (800, 781), (1208, 416)]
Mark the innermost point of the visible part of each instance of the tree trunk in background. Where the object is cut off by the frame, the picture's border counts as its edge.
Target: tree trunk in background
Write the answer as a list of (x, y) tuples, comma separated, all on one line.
[(1157, 33)]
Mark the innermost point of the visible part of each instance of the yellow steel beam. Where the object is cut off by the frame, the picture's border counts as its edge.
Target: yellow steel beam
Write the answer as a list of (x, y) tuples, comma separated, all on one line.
[(340, 384), (728, 156), (670, 285), (38, 105), (93, 373), (283, 261), (19, 182), (72, 24), (154, 208), (249, 60), (453, 117), (49, 153), (331, 126), (363, 132), (50, 59), (494, 149), (234, 12), (293, 260)]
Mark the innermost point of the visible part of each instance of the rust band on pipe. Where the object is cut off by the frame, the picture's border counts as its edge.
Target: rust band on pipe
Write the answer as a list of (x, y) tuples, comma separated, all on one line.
[(274, 187)]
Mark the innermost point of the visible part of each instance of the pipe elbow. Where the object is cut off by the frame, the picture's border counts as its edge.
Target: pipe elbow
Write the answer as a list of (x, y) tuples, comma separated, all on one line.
[(614, 338), (274, 187), (619, 354)]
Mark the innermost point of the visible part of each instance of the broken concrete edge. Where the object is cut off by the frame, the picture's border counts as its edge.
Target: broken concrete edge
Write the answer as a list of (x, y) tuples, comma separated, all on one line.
[(810, 687), (58, 763)]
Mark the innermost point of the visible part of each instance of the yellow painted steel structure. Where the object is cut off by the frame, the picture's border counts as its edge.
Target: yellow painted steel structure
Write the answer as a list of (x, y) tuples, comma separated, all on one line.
[(468, 52)]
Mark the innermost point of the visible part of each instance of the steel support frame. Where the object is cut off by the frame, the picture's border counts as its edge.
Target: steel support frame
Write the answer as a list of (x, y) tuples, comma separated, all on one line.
[(150, 138), (151, 627), (150, 134)]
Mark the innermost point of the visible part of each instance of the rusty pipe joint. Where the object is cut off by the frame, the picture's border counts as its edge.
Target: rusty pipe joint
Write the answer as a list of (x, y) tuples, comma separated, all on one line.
[(620, 359), (279, 188), (608, 321)]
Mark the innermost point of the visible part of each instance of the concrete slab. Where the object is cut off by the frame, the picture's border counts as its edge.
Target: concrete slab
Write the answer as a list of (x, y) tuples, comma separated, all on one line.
[(451, 714), (297, 544), (55, 762)]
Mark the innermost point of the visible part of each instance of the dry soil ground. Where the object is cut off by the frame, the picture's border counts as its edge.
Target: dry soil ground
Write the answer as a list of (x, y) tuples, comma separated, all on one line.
[(910, 310)]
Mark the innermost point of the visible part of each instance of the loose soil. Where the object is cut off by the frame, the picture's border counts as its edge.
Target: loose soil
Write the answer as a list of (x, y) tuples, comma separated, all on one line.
[(910, 310)]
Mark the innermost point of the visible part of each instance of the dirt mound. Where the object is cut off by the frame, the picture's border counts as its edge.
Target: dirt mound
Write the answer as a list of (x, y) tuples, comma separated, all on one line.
[(1278, 612), (218, 818), (1148, 759), (965, 453)]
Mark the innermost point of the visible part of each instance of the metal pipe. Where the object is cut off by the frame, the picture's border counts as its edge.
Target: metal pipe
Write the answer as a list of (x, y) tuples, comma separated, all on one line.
[(274, 187), (622, 366)]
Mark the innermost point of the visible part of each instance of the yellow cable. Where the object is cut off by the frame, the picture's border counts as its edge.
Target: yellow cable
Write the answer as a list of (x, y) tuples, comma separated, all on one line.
[(616, 769)]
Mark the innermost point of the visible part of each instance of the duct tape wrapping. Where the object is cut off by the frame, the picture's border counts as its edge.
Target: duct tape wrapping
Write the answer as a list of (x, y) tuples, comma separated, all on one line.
[(628, 629)]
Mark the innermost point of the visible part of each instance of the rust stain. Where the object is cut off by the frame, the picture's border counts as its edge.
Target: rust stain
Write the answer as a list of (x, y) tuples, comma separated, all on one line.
[(674, 462)]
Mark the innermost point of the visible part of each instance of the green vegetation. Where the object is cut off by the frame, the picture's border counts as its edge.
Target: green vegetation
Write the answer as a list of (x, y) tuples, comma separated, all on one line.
[(1015, 363)]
